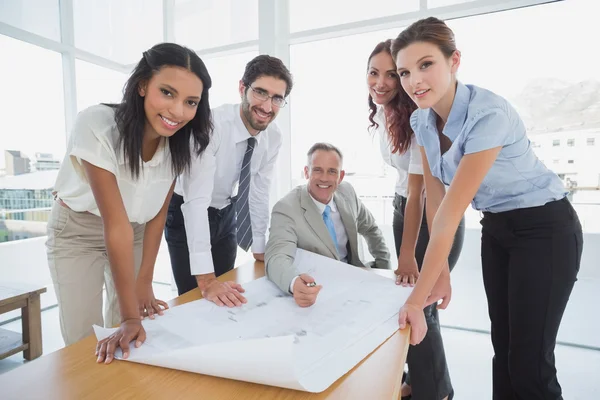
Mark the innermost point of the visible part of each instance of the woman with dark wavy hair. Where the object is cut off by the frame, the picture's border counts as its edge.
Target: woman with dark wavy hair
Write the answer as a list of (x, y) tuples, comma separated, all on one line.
[(112, 193), (390, 106)]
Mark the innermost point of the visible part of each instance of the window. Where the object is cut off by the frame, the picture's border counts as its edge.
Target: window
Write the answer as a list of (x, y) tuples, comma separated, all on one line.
[(556, 142), (41, 17), (327, 109), (35, 125), (570, 142), (591, 141), (97, 84), (118, 30), (442, 3), (312, 14), (226, 73), (44, 129), (210, 23)]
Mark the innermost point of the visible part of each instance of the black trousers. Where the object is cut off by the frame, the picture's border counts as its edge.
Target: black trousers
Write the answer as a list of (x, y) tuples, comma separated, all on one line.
[(428, 371), (223, 242), (530, 259)]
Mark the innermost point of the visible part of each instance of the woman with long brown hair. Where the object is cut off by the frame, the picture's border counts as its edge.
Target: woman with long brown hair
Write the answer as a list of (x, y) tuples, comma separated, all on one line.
[(428, 376)]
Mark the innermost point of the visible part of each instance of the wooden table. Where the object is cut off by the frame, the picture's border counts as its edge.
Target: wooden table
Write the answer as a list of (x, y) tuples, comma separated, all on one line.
[(26, 298), (72, 372)]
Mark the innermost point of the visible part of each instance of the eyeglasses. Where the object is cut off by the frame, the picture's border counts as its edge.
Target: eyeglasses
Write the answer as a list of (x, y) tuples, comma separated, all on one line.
[(261, 95)]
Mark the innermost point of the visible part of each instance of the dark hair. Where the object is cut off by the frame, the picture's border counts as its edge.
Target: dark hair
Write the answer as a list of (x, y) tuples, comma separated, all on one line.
[(265, 65), (324, 147), (430, 30), (397, 111), (131, 117)]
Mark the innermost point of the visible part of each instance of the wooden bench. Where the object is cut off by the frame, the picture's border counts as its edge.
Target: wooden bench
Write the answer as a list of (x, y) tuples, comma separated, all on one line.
[(26, 298)]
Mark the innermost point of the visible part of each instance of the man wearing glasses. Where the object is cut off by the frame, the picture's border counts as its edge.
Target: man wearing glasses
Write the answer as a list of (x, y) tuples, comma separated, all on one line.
[(223, 201)]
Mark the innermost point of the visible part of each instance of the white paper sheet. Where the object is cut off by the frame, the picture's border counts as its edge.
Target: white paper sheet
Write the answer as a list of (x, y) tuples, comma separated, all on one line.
[(272, 341)]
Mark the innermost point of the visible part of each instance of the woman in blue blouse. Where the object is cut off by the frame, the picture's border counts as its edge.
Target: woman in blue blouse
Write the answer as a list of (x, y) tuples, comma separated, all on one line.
[(474, 141)]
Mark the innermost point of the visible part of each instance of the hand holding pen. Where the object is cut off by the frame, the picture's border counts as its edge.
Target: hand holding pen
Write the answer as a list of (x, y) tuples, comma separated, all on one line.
[(306, 290)]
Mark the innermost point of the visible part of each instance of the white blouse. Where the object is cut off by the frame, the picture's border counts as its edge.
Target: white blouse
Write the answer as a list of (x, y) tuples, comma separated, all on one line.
[(406, 163), (94, 138)]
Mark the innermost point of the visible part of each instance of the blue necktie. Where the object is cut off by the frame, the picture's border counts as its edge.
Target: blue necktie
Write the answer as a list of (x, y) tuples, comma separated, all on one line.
[(329, 224)]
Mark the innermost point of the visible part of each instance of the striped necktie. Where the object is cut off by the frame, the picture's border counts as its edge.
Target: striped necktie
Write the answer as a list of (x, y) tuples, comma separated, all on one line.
[(244, 227)]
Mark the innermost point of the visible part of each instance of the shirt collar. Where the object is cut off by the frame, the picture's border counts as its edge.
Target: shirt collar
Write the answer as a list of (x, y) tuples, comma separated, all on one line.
[(457, 116), (458, 112), (322, 206), (241, 134)]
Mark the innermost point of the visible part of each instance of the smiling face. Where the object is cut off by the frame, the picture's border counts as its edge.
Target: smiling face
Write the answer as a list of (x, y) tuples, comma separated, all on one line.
[(427, 76), (171, 98), (258, 114), (382, 78), (324, 174)]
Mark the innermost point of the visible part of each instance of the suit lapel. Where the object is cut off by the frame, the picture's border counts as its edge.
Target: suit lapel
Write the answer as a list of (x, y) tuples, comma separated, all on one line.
[(315, 221), (348, 221)]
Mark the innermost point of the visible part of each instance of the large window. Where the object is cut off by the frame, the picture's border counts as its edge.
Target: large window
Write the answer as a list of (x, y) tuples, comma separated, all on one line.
[(33, 133), (36, 16), (226, 73), (211, 23), (96, 85), (442, 3), (329, 103), (118, 30), (312, 14)]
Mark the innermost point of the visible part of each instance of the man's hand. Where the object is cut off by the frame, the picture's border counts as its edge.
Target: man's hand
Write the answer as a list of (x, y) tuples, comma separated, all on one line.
[(413, 315), (407, 272), (129, 330), (442, 290), (259, 256), (304, 295), (147, 303), (223, 294)]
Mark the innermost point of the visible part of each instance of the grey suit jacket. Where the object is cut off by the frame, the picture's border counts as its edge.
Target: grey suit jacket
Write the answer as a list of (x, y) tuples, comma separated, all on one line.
[(297, 223)]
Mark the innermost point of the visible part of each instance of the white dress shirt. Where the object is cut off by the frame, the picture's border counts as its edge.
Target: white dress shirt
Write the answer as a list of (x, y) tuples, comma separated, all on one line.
[(213, 181), (94, 138), (340, 231), (406, 163)]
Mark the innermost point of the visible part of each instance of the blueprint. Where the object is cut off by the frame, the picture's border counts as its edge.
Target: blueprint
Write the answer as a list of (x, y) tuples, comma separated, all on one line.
[(270, 340)]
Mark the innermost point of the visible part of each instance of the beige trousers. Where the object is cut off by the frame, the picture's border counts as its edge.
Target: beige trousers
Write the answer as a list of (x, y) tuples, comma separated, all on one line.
[(79, 268)]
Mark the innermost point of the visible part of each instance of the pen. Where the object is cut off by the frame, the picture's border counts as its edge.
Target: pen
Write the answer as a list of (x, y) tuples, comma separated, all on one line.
[(311, 284)]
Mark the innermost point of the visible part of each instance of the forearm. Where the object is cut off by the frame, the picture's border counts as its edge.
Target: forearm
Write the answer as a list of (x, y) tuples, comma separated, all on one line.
[(413, 216), (435, 261), (280, 270), (204, 280), (119, 246), (152, 237), (433, 204)]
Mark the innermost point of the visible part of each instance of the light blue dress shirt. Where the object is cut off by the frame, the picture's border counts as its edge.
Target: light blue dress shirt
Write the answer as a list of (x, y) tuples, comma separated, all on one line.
[(481, 120)]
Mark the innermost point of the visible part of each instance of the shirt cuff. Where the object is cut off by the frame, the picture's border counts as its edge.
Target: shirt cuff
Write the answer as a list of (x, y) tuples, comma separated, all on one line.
[(201, 263), (258, 244), (292, 284)]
